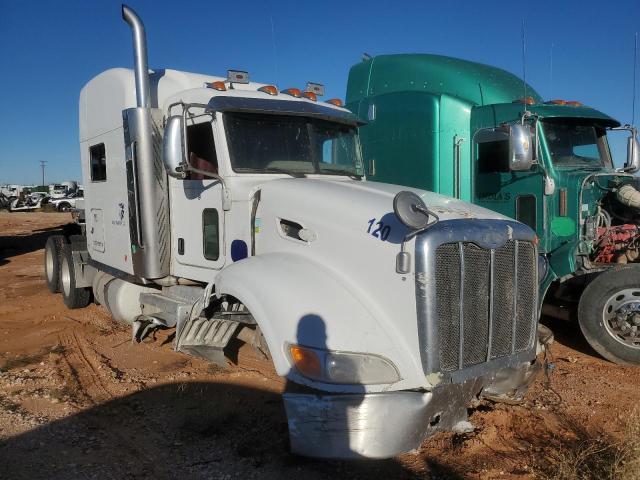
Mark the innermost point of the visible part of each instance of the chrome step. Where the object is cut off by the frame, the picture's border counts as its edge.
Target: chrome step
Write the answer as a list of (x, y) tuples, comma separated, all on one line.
[(206, 338)]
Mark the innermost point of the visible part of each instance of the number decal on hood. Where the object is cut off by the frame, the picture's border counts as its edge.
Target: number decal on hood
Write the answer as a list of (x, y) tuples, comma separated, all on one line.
[(378, 229)]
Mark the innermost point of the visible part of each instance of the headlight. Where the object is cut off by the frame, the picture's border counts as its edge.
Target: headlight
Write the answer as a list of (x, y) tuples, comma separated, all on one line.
[(343, 368), (543, 267)]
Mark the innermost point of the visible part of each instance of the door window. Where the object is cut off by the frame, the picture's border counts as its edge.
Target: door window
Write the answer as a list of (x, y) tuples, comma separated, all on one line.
[(202, 150), (210, 234)]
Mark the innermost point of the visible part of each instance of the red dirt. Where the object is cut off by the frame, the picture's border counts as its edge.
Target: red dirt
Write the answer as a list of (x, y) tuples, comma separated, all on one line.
[(79, 400)]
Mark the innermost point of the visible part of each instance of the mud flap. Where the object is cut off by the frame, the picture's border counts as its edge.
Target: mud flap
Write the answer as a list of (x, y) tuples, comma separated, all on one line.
[(206, 338)]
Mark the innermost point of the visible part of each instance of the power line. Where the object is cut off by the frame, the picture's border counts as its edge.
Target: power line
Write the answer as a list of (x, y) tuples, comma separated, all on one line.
[(42, 164)]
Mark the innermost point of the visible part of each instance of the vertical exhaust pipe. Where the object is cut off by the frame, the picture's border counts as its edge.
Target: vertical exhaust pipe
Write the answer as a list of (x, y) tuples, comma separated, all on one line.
[(146, 179), (139, 56)]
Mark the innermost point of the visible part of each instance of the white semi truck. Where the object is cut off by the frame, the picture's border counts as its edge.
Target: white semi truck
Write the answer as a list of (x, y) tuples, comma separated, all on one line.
[(226, 208)]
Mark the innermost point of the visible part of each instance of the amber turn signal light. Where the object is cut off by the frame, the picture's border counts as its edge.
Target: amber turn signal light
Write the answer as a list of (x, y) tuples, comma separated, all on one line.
[(306, 361)]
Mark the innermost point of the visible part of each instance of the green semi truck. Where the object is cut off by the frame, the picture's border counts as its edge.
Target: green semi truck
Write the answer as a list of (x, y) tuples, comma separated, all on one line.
[(450, 126)]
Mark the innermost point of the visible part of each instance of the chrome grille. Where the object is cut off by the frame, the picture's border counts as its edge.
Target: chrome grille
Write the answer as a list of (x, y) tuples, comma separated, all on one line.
[(485, 302)]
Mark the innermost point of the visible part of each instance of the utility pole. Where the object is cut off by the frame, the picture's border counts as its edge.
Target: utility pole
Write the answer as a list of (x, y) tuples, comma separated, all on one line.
[(42, 164)]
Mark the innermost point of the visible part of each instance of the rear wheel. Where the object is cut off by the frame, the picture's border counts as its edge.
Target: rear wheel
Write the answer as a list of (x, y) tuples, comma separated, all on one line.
[(52, 256), (609, 314), (73, 296), (64, 206)]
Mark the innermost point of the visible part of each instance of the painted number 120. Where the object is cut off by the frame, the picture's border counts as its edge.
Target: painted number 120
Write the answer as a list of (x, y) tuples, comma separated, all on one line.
[(378, 229)]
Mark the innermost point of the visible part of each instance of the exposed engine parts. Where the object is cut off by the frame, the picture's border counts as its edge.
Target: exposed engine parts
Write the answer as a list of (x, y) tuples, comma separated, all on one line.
[(615, 229), (629, 196), (618, 244)]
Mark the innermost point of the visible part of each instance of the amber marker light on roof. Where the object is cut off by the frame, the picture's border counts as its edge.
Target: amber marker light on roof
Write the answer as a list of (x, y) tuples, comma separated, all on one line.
[(573, 103), (526, 101), (294, 92), (310, 96), (556, 102), (220, 86), (335, 101), (270, 89)]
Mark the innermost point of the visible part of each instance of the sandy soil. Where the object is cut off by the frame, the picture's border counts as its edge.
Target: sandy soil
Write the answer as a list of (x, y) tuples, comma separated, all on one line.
[(79, 400)]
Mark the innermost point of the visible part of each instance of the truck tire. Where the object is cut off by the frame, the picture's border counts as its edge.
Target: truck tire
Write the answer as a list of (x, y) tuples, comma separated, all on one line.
[(609, 314), (72, 296), (64, 206), (52, 257)]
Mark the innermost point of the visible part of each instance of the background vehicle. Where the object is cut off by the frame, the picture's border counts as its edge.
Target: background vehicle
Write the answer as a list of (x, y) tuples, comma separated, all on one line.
[(226, 209), (62, 190), (28, 201), (68, 202), (442, 124)]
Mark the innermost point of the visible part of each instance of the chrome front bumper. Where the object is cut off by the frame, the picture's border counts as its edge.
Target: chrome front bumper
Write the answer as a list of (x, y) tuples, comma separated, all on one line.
[(374, 425), (381, 425)]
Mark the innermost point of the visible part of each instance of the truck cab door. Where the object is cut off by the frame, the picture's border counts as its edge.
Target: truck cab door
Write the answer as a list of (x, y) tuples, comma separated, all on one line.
[(516, 194), (197, 216)]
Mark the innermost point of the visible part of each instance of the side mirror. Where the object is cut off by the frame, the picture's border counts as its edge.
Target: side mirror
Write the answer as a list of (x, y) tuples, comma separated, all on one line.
[(173, 147), (411, 210), (520, 149), (633, 154)]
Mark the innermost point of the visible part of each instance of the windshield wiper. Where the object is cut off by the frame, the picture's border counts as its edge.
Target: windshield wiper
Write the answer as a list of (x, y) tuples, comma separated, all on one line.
[(282, 170), (341, 171)]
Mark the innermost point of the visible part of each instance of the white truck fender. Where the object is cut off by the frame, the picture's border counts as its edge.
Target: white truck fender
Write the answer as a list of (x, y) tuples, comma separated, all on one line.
[(295, 300)]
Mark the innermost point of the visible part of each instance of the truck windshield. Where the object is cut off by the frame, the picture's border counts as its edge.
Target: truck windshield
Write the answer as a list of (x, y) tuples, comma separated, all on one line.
[(576, 144), (289, 144)]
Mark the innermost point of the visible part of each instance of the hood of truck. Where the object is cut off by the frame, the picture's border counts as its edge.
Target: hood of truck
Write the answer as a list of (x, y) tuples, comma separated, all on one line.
[(346, 231), (353, 198)]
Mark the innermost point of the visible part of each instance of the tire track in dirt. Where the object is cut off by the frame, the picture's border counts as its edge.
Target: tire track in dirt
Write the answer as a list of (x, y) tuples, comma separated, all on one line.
[(83, 370), (84, 364)]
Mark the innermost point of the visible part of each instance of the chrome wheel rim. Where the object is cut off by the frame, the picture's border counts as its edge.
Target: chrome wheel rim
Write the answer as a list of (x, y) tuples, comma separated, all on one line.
[(65, 278), (621, 317)]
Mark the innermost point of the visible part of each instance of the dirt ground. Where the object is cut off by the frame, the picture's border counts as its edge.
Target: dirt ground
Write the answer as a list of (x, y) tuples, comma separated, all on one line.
[(79, 400)]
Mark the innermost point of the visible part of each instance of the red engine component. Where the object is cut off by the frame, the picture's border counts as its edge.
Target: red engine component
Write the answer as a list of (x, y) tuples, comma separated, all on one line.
[(617, 244)]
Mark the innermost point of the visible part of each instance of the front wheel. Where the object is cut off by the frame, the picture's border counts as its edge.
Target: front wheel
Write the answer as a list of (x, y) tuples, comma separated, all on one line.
[(609, 314)]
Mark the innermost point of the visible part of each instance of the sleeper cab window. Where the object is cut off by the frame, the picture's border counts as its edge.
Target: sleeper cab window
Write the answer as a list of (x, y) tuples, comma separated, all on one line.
[(210, 238), (98, 163)]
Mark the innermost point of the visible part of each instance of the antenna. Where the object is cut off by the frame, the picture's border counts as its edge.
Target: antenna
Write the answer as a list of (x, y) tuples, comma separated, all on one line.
[(524, 60), (635, 59), (275, 49), (551, 72)]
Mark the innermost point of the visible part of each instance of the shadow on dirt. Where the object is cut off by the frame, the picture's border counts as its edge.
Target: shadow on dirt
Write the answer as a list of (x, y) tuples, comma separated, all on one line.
[(190, 430), (12, 245), (568, 333)]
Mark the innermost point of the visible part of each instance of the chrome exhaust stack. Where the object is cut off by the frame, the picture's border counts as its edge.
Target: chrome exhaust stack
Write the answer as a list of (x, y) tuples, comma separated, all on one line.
[(147, 187), (139, 56)]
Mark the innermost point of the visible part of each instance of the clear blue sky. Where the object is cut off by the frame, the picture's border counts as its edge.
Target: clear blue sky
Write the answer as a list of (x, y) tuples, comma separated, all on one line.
[(49, 50)]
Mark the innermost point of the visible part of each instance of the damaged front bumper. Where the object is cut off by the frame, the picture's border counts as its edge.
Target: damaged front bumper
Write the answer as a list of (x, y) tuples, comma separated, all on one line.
[(381, 425), (374, 425)]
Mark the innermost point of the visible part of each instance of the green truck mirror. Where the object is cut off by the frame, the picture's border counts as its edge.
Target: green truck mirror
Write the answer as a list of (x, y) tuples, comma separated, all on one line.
[(520, 149)]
